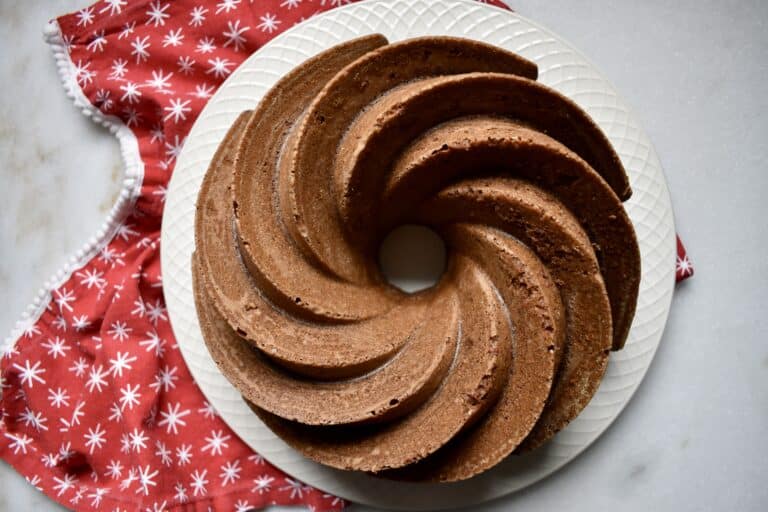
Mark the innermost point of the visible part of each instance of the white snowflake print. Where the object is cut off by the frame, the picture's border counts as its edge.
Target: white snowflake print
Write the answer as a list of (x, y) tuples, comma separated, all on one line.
[(269, 23), (160, 81), (119, 331), (197, 16), (97, 495), (114, 469), (684, 266), (219, 67), (207, 410), (65, 484), (131, 93), (80, 366), (127, 481), (290, 4), (77, 412), (121, 362), (82, 73), (97, 43), (256, 459), (96, 378), (181, 493), (79, 494), (113, 6), (127, 30), (184, 454), (262, 484), (199, 482), (138, 440), (63, 298), (19, 395), (139, 309), (132, 117), (67, 41), (203, 91), (103, 99), (230, 472), (234, 35), (157, 134), (56, 347), (177, 110), (116, 413), (157, 14), (85, 17), (58, 397), (49, 460), (156, 312), (158, 507), (147, 241), (145, 476), (297, 488), (65, 451), (140, 50), (165, 379), (30, 373), (91, 278), (125, 444), (113, 258), (186, 63), (172, 418), (227, 5), (216, 442), (118, 69), (164, 453), (9, 351), (95, 438), (31, 330), (173, 149), (33, 419), (243, 506), (154, 342), (173, 38), (337, 3), (80, 323), (129, 396), (60, 323), (34, 480), (19, 442), (205, 45)]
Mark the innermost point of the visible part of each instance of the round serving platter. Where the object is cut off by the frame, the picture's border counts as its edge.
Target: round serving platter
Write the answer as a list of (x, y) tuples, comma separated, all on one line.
[(561, 67)]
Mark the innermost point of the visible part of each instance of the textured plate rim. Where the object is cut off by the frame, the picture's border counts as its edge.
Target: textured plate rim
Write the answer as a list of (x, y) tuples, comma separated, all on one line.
[(179, 298)]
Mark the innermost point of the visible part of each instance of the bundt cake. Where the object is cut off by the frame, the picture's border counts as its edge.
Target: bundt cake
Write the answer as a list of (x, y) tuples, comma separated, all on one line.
[(541, 280)]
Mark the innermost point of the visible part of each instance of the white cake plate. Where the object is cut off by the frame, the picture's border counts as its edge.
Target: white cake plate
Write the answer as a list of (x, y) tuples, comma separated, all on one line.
[(561, 67)]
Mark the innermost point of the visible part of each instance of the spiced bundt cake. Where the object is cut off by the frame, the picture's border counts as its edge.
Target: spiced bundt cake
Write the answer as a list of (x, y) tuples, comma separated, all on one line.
[(542, 274)]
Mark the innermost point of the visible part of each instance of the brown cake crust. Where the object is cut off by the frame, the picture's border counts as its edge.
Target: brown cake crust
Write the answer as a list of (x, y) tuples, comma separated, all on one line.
[(542, 223), (541, 279), (306, 199), (472, 386), (494, 145), (535, 309)]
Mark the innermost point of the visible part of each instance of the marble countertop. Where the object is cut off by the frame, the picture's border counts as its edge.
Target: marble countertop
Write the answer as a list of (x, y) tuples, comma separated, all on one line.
[(694, 436)]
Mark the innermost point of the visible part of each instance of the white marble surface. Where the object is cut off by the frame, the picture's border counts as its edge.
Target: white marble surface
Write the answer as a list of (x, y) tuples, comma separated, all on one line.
[(694, 437)]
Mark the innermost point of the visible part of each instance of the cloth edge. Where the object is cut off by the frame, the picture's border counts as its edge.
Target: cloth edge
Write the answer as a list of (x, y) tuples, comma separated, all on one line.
[(133, 175)]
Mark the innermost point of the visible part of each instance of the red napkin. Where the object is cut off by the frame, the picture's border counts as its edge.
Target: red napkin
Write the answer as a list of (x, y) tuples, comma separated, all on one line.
[(98, 408)]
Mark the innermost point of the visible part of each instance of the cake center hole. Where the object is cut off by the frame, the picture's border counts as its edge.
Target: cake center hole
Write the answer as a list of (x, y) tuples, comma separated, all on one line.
[(412, 258)]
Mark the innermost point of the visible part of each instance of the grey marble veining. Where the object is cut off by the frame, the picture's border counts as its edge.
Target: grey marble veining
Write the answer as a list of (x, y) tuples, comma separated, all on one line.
[(693, 438)]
